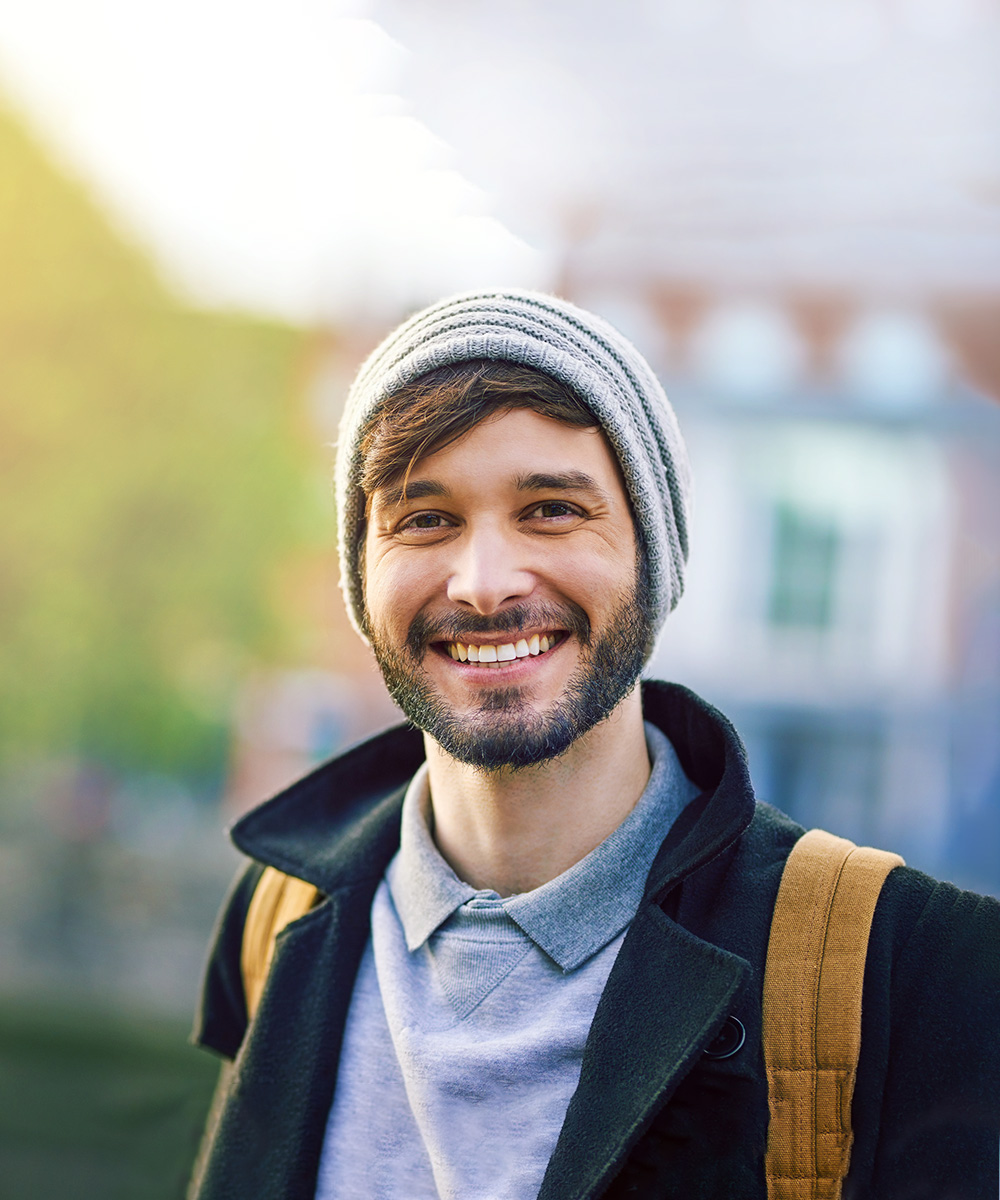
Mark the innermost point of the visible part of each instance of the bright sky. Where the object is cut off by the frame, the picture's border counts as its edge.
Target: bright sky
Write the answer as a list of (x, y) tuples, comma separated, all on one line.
[(287, 155), (261, 147)]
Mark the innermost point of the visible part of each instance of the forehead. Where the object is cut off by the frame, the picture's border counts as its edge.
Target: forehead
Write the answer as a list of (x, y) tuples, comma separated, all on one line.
[(519, 449)]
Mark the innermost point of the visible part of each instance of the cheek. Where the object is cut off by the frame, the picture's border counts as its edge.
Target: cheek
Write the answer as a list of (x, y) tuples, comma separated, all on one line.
[(604, 569), (397, 585)]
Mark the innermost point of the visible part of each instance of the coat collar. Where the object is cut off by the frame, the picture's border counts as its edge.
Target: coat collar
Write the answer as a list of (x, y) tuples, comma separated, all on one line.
[(713, 757), (340, 824)]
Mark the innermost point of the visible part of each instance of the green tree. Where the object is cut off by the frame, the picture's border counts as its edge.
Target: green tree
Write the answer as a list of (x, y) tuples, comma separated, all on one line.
[(149, 482)]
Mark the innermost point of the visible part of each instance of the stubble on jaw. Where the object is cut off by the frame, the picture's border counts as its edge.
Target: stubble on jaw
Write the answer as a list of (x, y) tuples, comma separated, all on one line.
[(505, 731)]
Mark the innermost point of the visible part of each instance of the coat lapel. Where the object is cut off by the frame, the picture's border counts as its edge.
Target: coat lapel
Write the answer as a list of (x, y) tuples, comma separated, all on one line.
[(270, 1135), (668, 995)]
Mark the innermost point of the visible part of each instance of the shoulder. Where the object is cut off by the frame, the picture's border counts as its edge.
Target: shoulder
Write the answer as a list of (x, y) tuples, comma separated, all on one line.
[(760, 855), (941, 938), (336, 829), (771, 833), (920, 923), (929, 1076), (221, 1018)]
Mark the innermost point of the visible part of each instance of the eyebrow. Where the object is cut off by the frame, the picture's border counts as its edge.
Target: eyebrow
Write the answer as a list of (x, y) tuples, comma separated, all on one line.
[(417, 489), (535, 481), (564, 481)]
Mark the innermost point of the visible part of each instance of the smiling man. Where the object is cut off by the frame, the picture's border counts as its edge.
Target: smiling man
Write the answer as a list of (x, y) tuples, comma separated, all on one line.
[(531, 961)]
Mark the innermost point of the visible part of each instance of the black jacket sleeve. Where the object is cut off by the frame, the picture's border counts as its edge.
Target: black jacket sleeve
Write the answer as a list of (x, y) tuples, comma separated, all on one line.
[(221, 1019), (927, 1109)]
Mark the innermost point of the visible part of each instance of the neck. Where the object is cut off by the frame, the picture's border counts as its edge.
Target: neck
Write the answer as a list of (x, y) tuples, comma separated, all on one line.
[(512, 831)]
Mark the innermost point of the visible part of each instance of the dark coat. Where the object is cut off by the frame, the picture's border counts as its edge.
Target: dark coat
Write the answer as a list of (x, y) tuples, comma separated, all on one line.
[(654, 1115)]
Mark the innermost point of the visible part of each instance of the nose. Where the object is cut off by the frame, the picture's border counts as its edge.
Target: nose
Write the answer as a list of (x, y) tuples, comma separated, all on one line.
[(488, 570)]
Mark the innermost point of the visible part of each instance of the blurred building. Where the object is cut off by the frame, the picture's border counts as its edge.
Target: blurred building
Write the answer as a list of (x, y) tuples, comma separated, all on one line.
[(843, 602)]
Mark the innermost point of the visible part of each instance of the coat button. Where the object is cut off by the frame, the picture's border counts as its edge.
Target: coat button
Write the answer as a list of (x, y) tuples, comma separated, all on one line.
[(728, 1040)]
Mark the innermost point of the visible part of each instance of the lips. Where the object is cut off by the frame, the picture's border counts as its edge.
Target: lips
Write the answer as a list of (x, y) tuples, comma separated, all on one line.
[(451, 634)]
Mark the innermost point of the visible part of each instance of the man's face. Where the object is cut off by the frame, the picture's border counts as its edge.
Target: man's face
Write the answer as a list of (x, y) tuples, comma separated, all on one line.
[(502, 594)]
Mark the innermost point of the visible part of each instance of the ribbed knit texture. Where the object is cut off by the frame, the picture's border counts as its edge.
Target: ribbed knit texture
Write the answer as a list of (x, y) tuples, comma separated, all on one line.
[(575, 347)]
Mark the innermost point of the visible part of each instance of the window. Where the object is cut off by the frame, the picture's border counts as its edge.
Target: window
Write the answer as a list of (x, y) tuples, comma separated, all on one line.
[(804, 564)]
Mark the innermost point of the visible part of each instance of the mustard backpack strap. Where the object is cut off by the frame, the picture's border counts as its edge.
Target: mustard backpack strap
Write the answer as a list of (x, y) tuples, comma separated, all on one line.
[(278, 899), (812, 1010)]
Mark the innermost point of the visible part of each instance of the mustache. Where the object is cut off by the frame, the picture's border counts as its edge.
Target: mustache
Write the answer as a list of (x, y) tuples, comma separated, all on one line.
[(426, 628)]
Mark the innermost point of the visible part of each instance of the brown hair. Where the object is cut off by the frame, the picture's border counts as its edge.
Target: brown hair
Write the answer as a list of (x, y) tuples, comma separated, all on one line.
[(442, 406)]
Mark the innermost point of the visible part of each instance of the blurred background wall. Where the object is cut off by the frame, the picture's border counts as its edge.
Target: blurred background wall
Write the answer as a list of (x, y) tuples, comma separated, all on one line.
[(209, 213)]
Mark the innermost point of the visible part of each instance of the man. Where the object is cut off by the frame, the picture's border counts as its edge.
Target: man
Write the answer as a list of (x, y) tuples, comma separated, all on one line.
[(536, 967)]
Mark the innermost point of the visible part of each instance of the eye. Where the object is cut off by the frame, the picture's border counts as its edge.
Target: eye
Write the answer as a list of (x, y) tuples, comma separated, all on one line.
[(422, 522), (554, 510)]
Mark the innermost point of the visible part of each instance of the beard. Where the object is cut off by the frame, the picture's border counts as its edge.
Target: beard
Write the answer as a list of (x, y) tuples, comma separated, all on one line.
[(505, 730)]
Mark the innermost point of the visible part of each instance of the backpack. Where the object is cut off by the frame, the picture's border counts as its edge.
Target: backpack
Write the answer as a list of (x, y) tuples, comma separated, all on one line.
[(811, 1007)]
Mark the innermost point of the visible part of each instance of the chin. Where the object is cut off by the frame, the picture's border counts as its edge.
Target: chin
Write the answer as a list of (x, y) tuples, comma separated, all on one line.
[(490, 745), (503, 730)]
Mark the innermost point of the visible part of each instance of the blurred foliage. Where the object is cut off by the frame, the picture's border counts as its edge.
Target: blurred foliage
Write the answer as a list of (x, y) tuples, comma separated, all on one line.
[(97, 1105), (148, 484)]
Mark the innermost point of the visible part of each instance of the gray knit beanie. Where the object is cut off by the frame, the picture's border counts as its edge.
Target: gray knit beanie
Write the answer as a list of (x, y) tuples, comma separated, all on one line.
[(575, 347)]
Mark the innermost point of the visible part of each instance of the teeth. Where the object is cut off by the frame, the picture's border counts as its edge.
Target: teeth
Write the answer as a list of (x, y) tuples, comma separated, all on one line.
[(494, 655)]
